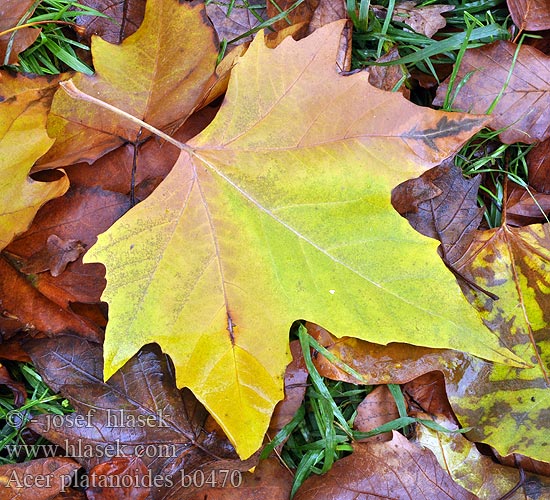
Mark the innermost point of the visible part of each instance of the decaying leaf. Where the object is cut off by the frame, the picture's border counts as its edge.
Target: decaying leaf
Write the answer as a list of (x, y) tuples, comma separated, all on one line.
[(477, 473), (296, 375), (269, 480), (327, 11), (506, 408), (426, 20), (248, 233), (24, 104), (160, 424), (388, 77), (302, 14), (538, 160), (145, 84), (395, 469), (526, 206), (509, 407), (11, 44), (530, 15), (119, 479), (522, 99)]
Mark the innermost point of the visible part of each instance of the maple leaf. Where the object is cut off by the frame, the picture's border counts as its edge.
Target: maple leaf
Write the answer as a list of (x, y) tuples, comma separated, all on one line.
[(520, 87), (281, 210), (24, 106)]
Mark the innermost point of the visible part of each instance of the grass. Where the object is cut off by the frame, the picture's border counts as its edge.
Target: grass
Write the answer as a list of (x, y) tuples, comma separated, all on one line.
[(40, 400), (321, 432), (54, 50)]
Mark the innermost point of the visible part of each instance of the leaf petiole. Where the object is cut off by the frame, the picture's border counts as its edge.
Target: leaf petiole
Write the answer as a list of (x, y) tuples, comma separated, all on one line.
[(71, 89)]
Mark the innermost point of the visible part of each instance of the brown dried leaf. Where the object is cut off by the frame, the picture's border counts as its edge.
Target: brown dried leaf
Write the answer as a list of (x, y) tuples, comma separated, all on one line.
[(269, 481), (378, 408), (80, 215), (296, 375), (17, 388), (327, 12), (38, 479), (121, 478), (425, 20), (24, 307), (395, 363), (138, 412), (302, 14), (523, 107), (538, 160), (240, 18), (387, 77), (11, 13), (54, 257), (530, 15), (125, 16), (525, 207), (395, 469), (441, 204), (428, 394)]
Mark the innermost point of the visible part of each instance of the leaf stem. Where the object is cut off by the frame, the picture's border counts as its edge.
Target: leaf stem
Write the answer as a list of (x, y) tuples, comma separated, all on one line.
[(71, 89)]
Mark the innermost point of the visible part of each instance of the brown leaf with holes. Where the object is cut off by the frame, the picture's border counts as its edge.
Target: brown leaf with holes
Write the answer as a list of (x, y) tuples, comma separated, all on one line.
[(38, 479), (394, 469), (378, 408), (530, 15), (522, 108)]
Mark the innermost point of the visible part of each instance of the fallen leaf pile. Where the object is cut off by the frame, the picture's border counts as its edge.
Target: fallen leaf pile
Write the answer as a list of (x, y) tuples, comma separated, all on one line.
[(153, 282)]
